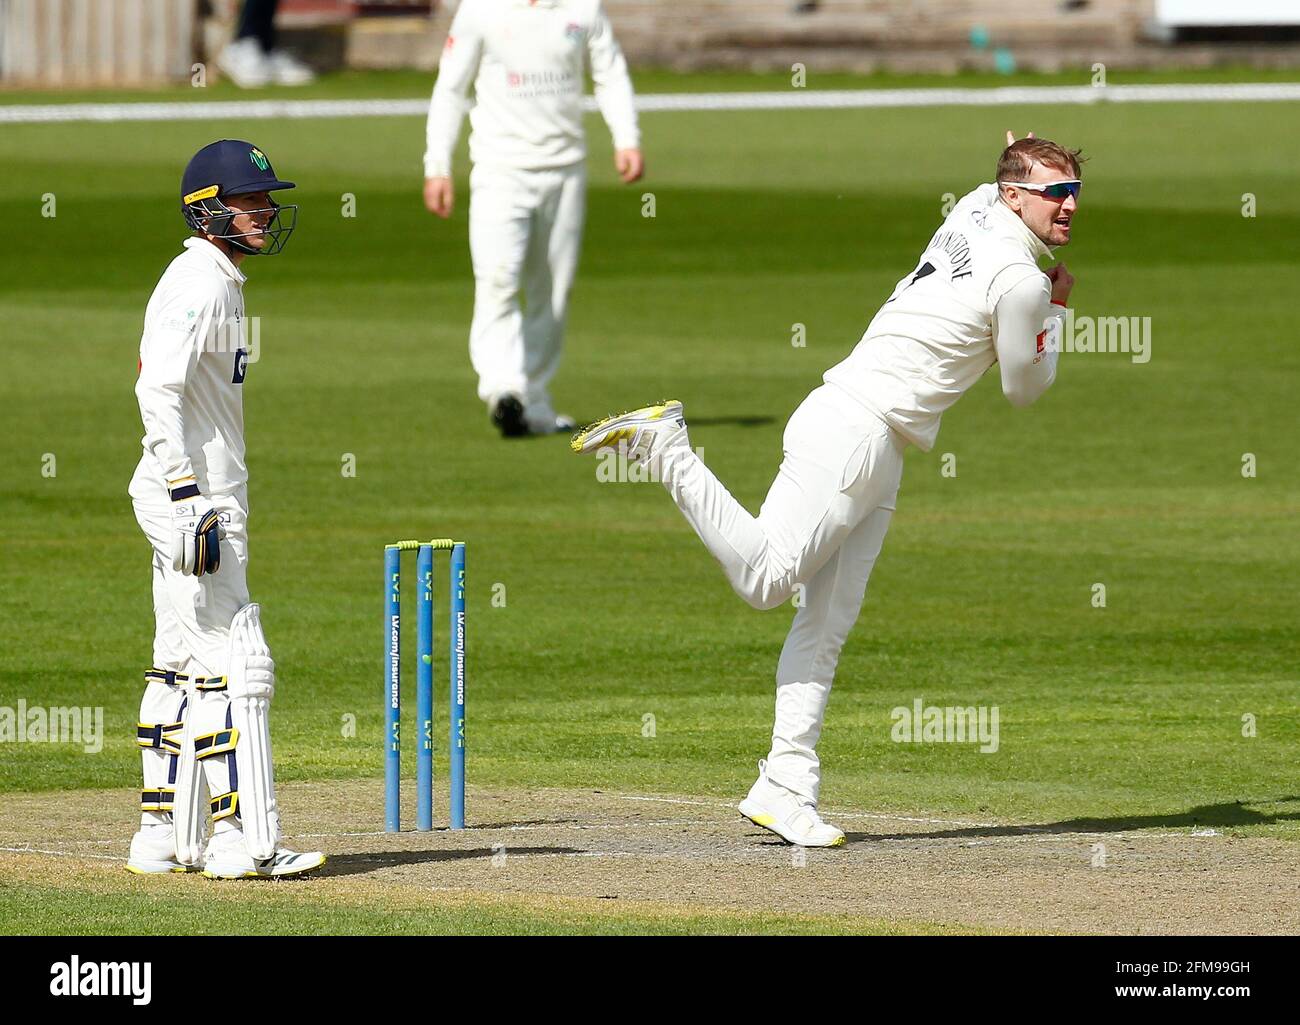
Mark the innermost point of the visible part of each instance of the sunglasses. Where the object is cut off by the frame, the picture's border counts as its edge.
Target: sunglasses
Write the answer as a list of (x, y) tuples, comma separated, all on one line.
[(1055, 190)]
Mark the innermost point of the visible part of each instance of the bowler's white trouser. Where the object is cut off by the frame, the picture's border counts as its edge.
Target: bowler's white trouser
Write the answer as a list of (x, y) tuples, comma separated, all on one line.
[(191, 629), (821, 526), (525, 232)]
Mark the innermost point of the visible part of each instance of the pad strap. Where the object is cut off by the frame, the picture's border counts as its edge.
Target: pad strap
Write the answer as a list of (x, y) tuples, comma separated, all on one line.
[(162, 736), (157, 800), (224, 805), (212, 744), (175, 679)]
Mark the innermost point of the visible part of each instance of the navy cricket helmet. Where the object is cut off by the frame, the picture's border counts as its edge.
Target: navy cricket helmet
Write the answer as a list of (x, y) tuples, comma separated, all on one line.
[(231, 168)]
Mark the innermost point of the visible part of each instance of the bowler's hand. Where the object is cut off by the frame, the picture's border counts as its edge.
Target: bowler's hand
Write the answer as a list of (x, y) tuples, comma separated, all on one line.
[(1011, 136), (630, 165), (439, 196), (1062, 283)]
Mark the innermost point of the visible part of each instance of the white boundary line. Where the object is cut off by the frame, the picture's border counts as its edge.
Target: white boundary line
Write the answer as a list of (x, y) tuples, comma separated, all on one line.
[(60, 854), (817, 99)]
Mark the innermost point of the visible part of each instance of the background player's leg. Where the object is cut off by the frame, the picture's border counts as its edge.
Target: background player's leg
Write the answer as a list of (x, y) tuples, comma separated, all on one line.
[(840, 463), (549, 270), (806, 671), (499, 219)]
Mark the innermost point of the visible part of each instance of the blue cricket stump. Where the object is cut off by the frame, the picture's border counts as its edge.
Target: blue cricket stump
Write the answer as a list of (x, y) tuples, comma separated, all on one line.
[(424, 682), (424, 689), (393, 691), (456, 718)]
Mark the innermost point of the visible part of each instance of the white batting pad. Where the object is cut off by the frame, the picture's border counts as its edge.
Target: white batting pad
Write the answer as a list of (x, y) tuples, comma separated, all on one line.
[(250, 676), (189, 811)]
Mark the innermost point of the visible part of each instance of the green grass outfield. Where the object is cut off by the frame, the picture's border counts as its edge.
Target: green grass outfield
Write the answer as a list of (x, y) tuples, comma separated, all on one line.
[(135, 907), (1127, 475)]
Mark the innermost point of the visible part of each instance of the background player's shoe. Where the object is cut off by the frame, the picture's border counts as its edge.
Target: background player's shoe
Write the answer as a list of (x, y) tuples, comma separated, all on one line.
[(635, 432), (244, 63), (542, 418), (286, 69), (508, 416), (788, 815), (227, 859), (153, 852)]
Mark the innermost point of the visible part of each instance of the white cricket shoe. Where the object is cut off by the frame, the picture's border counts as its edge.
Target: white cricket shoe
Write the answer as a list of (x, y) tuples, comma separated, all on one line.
[(227, 859), (635, 433), (286, 69), (153, 852), (244, 63), (788, 815)]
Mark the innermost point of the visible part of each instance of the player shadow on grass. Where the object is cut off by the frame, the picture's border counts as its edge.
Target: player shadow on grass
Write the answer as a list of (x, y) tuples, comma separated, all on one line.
[(360, 864), (729, 421), (715, 421), (1236, 813)]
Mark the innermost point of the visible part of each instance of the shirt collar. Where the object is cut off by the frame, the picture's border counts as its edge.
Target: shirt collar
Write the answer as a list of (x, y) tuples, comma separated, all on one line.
[(1009, 219), (202, 247)]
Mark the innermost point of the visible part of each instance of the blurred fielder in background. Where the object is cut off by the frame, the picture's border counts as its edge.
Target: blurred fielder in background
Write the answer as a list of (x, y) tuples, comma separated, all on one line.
[(976, 297), (252, 59), (204, 714), (525, 60)]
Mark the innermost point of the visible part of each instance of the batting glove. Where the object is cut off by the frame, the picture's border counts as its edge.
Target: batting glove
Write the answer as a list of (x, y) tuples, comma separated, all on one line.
[(196, 536)]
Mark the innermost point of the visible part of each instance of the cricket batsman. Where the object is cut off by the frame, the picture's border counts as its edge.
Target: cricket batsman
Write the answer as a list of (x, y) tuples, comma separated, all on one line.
[(204, 728), (976, 297), (524, 59)]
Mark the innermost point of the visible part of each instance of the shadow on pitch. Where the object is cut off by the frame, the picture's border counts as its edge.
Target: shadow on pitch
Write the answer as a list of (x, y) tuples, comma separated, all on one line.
[(1237, 813), (360, 864)]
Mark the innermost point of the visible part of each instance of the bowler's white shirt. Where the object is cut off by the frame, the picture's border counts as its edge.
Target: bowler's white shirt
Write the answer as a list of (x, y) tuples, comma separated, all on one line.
[(193, 358), (975, 297), (525, 61)]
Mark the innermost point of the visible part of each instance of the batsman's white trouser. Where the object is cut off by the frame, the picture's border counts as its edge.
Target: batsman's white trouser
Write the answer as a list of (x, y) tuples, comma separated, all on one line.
[(821, 528), (192, 617), (192, 614), (525, 232)]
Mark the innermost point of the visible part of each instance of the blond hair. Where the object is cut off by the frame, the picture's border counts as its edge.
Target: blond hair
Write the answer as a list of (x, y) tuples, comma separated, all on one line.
[(1018, 159)]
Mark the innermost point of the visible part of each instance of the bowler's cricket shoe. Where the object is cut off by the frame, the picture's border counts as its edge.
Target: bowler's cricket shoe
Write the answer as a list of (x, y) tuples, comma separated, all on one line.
[(789, 816), (153, 852), (508, 416), (229, 860), (636, 433)]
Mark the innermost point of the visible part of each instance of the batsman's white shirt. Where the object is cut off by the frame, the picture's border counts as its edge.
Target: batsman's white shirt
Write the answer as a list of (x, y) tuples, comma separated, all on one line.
[(975, 298), (525, 61), (193, 357)]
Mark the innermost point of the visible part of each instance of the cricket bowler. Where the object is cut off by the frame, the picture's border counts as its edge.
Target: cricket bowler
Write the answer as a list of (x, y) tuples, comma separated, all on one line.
[(525, 59), (204, 728), (976, 297)]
